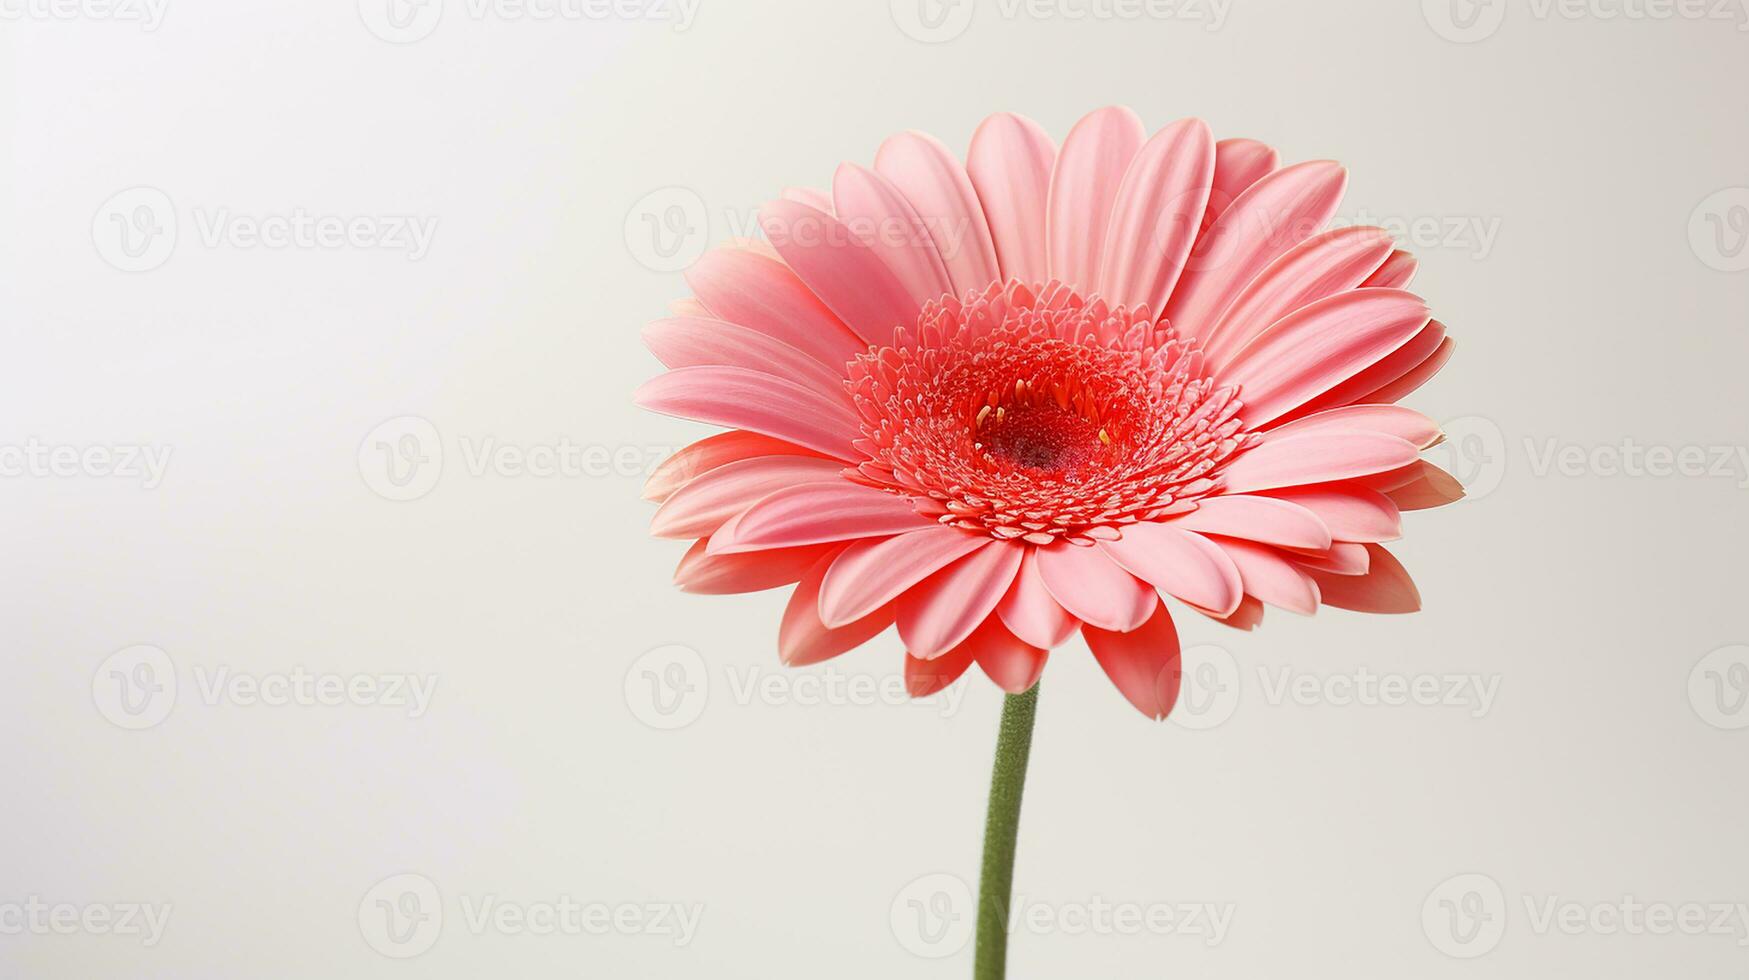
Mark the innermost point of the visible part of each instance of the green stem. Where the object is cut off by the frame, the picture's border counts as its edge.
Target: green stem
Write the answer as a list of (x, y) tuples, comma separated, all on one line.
[(1001, 828)]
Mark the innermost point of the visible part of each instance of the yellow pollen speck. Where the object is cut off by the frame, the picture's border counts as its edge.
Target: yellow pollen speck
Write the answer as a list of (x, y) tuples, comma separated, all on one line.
[(983, 413), (1103, 437)]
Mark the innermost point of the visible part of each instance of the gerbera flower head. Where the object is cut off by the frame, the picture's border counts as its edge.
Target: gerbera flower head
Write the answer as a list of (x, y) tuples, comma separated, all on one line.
[(1001, 402)]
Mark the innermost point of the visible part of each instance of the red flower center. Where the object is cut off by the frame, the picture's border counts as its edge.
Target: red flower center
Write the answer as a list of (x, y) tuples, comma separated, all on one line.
[(1029, 412)]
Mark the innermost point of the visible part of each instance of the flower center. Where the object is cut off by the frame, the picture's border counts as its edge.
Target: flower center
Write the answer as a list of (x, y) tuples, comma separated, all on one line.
[(1029, 412), (1047, 441)]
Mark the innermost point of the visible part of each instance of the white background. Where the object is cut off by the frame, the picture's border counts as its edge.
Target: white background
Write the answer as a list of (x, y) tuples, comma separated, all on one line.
[(1565, 176)]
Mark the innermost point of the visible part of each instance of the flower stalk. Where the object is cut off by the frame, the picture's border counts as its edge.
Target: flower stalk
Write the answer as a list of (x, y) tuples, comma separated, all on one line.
[(1001, 830)]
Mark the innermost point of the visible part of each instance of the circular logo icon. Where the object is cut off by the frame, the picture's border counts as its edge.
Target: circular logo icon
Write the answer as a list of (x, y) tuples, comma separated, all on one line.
[(401, 459), (135, 230), (667, 687), (135, 687), (1465, 916), (933, 917), (932, 21), (1208, 692), (401, 21), (1718, 688), (1718, 230), (1474, 453), (401, 916), (1464, 21), (668, 229)]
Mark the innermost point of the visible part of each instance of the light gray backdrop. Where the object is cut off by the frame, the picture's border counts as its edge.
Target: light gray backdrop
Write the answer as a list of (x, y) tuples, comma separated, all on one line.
[(335, 646)]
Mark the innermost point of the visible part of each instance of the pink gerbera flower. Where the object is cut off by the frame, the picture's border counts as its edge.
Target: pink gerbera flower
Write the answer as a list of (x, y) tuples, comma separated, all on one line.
[(1000, 402)]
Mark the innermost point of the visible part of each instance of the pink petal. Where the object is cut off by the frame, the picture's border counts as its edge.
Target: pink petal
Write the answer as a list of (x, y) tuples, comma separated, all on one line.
[(869, 574), (1156, 216), (744, 287), (1318, 458), (1091, 586), (804, 640), (1321, 266), (878, 214), (1010, 164), (1385, 588), (1179, 563), (814, 513), (1433, 487), (941, 611), (709, 453), (1396, 273), (1392, 420), (1405, 359), (1341, 558), (1144, 663), (926, 677), (848, 276), (1264, 519), (700, 508), (813, 197), (1352, 512), (1272, 216), (742, 399), (726, 574), (1029, 611), (1239, 163), (1083, 187), (1314, 349), (1416, 376), (937, 186), (1272, 578), (701, 342), (1013, 664), (688, 306), (1247, 617)]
